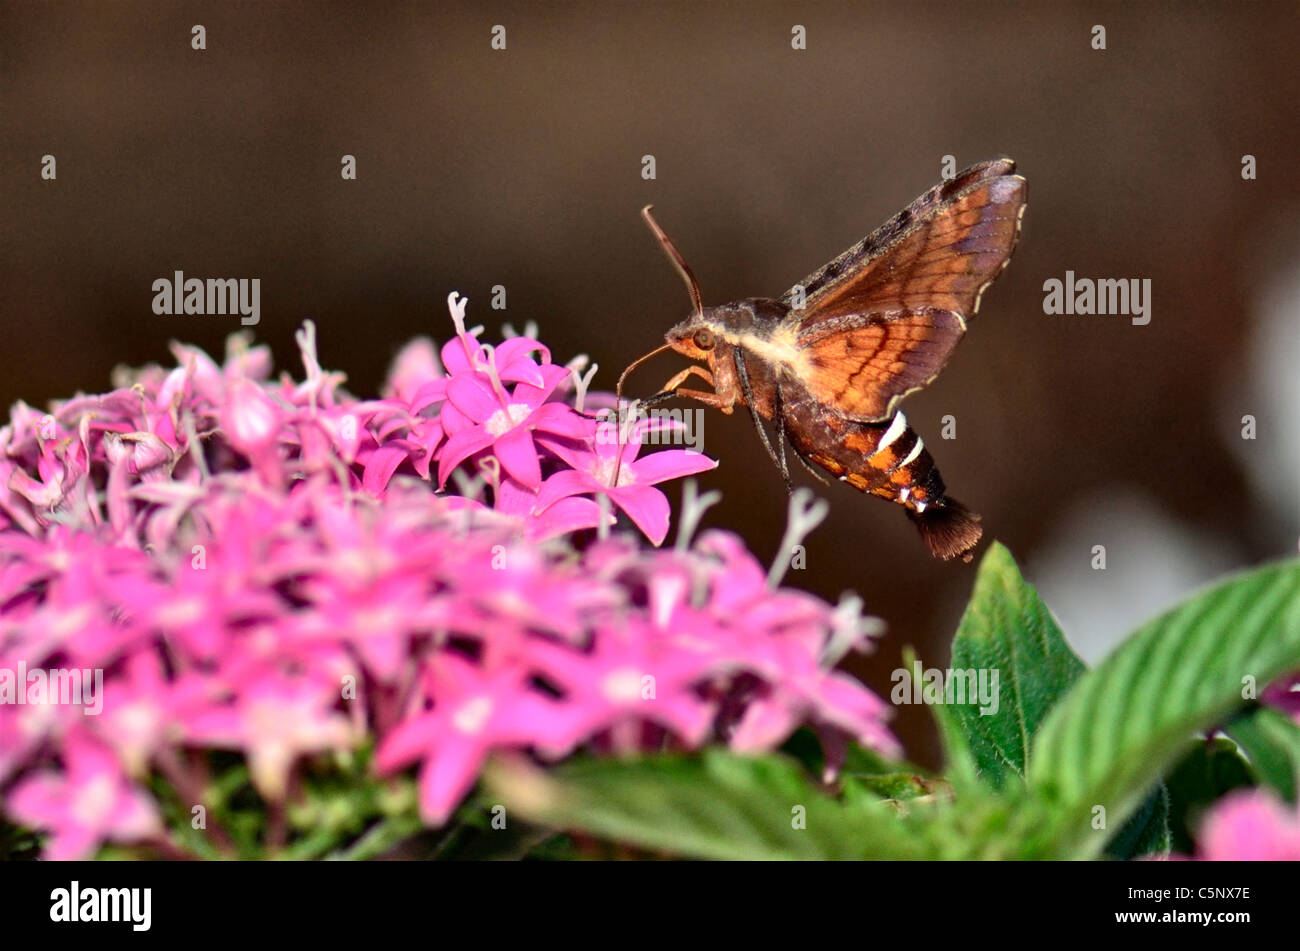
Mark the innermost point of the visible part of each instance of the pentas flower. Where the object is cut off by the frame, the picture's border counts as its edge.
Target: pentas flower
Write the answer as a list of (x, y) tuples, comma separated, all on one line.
[(520, 590), (1250, 826), (612, 469), (25, 729), (473, 712), (141, 712), (278, 570), (634, 675), (556, 519), (252, 422), (482, 415), (414, 376), (274, 719), (88, 802)]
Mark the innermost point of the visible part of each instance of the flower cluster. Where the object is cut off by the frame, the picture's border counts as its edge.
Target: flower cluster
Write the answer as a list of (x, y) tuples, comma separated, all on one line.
[(205, 559)]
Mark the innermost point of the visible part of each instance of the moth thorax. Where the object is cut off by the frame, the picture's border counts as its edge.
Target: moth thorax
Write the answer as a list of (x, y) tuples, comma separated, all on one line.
[(729, 319)]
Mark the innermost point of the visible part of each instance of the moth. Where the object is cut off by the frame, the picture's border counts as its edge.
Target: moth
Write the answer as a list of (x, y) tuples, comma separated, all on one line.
[(827, 364)]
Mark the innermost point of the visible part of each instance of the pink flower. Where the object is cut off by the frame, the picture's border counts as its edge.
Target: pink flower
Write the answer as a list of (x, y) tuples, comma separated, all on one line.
[(1285, 696), (263, 567), (516, 590), (559, 518), (377, 617), (91, 802), (615, 471), (414, 370), (473, 712), (627, 675), (252, 422), (482, 415), (139, 713), (23, 730), (1250, 826), (195, 610), (274, 720)]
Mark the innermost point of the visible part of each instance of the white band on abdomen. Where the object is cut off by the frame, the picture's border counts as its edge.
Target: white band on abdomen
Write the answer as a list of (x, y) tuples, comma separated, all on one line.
[(916, 451), (896, 427)]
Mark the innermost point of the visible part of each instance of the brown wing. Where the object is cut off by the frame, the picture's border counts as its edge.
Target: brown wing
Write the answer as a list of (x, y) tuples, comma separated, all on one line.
[(925, 270), (862, 366)]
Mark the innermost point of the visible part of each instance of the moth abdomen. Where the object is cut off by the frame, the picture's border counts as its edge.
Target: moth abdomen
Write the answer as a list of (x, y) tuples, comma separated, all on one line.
[(889, 460)]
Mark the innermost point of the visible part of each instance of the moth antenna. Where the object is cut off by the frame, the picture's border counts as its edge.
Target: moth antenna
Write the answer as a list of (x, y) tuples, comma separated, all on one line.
[(697, 304), (679, 262)]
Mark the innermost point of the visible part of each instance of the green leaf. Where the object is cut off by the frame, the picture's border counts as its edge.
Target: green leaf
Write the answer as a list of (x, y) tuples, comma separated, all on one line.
[(1203, 776), (1126, 722), (18, 843), (897, 786), (714, 805), (1147, 830), (1007, 632), (1271, 741), (958, 758), (804, 747), (860, 759)]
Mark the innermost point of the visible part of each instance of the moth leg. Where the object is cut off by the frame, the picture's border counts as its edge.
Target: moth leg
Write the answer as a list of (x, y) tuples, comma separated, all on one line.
[(742, 373), (785, 438), (778, 414), (671, 387), (659, 397), (708, 399), (812, 470), (682, 377)]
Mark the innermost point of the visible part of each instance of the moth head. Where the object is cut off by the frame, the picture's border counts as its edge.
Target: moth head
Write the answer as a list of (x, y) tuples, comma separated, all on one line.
[(698, 337), (712, 333)]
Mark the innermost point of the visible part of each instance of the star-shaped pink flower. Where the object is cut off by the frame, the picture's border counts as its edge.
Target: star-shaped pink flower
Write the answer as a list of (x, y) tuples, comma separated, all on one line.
[(616, 471), (625, 676), (90, 802), (480, 414), (474, 712)]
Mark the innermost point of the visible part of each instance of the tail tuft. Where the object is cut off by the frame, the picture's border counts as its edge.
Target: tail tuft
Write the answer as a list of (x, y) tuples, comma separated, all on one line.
[(949, 529)]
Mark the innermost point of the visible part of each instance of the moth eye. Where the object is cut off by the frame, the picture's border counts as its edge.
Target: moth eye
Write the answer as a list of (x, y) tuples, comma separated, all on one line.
[(703, 338)]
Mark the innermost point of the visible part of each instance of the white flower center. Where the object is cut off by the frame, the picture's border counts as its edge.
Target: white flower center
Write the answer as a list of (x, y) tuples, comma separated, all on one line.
[(504, 420), (136, 719), (473, 716), (622, 685), (379, 621), (93, 801), (71, 621), (181, 613), (608, 473)]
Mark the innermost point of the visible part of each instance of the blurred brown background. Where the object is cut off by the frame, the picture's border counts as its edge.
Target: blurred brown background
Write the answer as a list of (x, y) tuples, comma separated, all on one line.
[(480, 167)]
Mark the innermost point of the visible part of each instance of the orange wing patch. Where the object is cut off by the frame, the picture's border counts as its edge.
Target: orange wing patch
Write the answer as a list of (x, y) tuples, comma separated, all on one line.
[(862, 367)]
